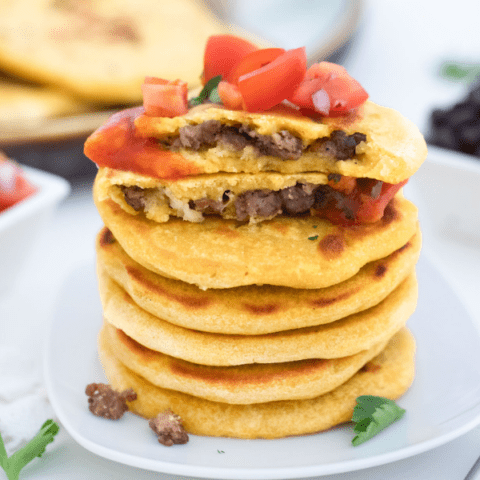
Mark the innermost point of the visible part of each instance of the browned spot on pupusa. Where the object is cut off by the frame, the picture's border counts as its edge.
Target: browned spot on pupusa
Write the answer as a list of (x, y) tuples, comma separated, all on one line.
[(380, 270), (332, 246), (106, 237), (281, 227), (128, 298), (246, 374), (199, 301), (390, 213), (261, 309), (405, 247), (325, 302), (227, 231), (134, 346), (370, 367)]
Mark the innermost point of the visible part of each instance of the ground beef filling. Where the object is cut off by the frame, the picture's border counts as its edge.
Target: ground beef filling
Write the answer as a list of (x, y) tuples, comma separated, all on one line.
[(283, 144), (296, 200)]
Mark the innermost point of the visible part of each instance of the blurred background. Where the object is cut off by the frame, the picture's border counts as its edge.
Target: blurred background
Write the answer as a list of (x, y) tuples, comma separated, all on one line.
[(66, 65)]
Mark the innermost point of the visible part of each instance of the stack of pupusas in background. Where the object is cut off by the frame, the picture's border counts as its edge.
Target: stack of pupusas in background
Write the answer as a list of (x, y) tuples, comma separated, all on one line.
[(257, 270)]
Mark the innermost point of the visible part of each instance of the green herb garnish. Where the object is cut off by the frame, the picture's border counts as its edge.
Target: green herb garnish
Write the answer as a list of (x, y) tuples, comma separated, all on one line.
[(313, 238), (460, 72), (209, 91), (220, 451), (371, 415), (214, 96), (34, 448)]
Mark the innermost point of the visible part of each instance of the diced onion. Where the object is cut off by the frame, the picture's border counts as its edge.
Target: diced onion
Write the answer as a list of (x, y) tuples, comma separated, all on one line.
[(321, 102), (8, 176)]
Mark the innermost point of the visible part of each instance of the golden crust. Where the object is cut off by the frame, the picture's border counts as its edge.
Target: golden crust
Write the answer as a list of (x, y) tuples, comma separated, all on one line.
[(221, 253), (388, 375), (253, 310), (243, 384), (341, 338)]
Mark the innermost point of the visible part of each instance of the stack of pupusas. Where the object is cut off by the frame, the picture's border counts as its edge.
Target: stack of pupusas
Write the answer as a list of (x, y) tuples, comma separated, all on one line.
[(257, 265)]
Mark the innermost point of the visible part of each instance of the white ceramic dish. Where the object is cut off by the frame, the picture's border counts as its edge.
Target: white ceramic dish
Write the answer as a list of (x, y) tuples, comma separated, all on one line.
[(21, 224), (442, 404), (446, 189)]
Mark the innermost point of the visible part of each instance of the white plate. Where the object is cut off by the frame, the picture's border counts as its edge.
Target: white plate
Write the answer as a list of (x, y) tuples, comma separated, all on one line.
[(442, 404), (447, 194)]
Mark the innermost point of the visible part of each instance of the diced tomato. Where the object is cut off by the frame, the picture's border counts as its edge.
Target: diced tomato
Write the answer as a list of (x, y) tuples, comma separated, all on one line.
[(230, 95), (344, 92), (253, 61), (371, 209), (343, 184), (364, 203), (116, 145), (222, 53), (269, 85), (22, 189), (163, 98)]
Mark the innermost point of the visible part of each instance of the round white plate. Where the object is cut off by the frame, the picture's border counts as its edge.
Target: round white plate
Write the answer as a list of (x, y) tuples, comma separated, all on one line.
[(442, 404)]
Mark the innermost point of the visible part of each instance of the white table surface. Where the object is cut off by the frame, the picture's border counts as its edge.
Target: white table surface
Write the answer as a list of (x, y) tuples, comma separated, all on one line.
[(396, 53)]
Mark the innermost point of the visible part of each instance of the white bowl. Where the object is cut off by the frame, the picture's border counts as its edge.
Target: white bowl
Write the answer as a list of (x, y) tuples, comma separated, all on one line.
[(21, 224), (446, 189)]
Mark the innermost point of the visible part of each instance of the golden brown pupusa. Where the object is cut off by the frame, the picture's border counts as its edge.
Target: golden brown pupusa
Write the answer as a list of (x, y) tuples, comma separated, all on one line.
[(220, 253), (387, 375), (253, 310)]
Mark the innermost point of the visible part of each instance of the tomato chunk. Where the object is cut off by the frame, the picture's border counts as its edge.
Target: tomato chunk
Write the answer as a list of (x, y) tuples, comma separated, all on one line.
[(22, 189), (355, 201), (253, 61), (329, 89), (222, 53), (269, 85), (342, 183), (371, 209), (116, 145), (230, 95), (163, 98)]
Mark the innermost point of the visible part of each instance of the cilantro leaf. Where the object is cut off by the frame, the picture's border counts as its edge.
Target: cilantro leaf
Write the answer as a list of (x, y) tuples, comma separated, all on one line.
[(460, 72), (214, 96), (208, 91), (371, 415), (34, 448)]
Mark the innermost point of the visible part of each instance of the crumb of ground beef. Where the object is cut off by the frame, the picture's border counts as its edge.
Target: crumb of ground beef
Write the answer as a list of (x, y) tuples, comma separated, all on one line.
[(105, 402), (169, 428)]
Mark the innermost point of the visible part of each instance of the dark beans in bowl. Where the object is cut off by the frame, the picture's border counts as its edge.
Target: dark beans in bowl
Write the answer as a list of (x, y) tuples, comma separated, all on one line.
[(458, 127)]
